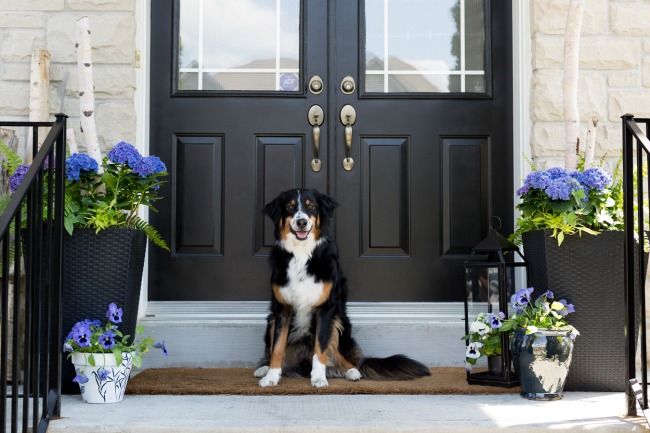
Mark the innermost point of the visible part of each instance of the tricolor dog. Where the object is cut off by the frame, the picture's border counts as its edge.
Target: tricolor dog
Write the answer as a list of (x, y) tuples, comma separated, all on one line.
[(308, 332)]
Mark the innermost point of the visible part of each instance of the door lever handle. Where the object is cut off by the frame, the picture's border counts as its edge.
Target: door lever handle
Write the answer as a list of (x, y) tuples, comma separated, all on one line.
[(348, 117), (316, 118)]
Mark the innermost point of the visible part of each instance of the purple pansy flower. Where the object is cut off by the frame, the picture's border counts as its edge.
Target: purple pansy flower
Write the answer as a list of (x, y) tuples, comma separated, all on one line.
[(114, 314)]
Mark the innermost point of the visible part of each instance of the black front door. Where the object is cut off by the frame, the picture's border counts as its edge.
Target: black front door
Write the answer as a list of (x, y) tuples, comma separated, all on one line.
[(414, 137)]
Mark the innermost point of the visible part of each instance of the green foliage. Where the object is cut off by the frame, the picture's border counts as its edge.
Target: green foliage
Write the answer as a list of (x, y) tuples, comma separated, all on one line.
[(90, 336), (542, 313), (13, 161), (582, 202), (113, 198), (483, 340)]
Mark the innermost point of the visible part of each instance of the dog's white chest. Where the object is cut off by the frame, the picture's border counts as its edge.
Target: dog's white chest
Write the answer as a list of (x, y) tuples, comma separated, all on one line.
[(302, 292)]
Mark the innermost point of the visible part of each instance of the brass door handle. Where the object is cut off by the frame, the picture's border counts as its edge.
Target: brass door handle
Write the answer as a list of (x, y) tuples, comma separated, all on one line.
[(316, 118), (348, 117)]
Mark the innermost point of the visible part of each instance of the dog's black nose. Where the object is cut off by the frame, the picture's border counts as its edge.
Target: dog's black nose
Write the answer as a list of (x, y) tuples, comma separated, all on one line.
[(301, 223)]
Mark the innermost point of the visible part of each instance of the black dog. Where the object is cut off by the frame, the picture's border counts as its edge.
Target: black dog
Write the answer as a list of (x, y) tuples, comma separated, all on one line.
[(308, 331)]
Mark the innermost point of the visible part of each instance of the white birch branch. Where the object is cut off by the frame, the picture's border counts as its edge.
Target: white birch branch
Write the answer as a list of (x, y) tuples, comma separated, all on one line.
[(71, 141), (39, 97), (570, 83), (591, 142), (86, 90)]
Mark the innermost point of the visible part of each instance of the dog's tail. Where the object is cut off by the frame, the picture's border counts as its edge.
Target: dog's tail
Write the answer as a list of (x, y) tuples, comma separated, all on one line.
[(396, 367)]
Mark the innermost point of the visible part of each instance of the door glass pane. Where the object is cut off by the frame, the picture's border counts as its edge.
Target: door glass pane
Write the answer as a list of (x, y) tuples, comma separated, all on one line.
[(425, 46), (249, 45)]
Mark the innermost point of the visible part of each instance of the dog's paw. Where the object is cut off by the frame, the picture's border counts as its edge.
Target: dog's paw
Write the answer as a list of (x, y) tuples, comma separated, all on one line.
[(353, 374), (319, 382), (261, 372), (272, 378), (318, 373)]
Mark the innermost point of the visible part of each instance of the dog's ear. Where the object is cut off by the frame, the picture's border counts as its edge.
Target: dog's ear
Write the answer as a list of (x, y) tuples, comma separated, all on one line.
[(326, 204), (274, 209)]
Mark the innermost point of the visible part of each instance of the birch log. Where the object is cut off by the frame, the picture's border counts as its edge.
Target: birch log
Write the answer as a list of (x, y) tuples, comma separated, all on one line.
[(591, 142), (570, 83), (86, 90), (71, 141), (39, 97)]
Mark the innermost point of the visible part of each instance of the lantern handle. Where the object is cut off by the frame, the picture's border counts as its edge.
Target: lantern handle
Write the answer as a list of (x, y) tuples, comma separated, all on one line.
[(497, 219)]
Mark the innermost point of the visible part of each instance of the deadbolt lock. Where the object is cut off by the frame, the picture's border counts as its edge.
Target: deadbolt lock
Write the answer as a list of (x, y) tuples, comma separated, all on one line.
[(347, 85), (316, 85)]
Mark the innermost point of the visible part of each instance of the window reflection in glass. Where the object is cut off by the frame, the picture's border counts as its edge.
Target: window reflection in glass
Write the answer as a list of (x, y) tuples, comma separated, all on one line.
[(425, 46), (244, 45)]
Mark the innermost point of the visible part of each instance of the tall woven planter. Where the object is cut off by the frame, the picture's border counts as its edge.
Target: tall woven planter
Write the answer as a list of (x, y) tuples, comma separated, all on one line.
[(100, 268), (587, 271)]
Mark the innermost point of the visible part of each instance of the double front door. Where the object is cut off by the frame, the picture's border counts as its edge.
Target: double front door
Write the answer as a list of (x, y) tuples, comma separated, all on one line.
[(399, 109)]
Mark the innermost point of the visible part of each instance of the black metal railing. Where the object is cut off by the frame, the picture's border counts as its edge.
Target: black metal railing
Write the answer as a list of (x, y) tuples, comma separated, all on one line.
[(636, 156), (31, 230)]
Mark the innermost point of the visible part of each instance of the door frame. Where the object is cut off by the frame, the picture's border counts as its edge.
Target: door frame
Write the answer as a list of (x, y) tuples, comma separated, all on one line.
[(522, 73)]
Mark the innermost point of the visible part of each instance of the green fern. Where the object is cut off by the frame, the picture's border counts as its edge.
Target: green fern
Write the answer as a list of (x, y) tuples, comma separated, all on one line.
[(153, 235), (13, 160)]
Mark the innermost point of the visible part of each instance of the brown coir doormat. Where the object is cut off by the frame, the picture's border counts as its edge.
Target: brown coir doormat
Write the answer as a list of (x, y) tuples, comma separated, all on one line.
[(240, 381)]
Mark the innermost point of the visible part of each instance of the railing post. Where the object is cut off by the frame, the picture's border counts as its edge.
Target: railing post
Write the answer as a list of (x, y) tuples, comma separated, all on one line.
[(628, 209)]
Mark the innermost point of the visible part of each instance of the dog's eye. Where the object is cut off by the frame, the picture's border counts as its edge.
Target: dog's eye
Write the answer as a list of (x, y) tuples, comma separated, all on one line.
[(291, 207), (311, 206)]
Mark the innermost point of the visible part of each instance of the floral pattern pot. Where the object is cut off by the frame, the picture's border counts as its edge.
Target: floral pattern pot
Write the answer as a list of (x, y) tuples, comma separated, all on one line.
[(106, 379), (542, 360)]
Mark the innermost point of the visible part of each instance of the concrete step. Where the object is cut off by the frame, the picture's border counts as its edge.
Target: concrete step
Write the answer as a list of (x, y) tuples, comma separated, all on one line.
[(577, 411)]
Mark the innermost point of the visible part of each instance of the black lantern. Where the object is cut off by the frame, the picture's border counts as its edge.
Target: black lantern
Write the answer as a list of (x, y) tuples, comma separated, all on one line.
[(490, 283)]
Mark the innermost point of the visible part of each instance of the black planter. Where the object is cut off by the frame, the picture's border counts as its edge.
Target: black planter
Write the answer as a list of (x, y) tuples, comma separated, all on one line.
[(587, 271), (542, 360), (100, 268)]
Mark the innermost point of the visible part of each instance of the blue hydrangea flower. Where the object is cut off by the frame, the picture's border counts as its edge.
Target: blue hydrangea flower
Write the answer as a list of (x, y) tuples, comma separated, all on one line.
[(114, 314), (557, 173), (595, 178), (124, 153), (103, 374), (149, 165), (161, 345), (538, 180), (561, 188), (496, 320), (16, 178), (81, 334), (522, 298), (80, 378), (107, 340), (77, 163)]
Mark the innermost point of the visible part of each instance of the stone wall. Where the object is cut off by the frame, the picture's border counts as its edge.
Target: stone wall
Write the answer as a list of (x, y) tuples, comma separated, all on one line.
[(614, 73), (26, 25)]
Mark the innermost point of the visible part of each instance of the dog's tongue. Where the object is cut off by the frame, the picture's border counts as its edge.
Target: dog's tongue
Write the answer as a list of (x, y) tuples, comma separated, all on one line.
[(302, 235)]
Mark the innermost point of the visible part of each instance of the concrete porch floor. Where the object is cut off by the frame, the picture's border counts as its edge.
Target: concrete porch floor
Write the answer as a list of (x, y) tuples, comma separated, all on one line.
[(577, 411)]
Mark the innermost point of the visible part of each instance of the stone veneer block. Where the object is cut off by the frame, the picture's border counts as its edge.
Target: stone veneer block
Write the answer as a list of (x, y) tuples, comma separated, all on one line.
[(549, 16), (623, 79), (103, 5), (15, 98), (112, 38), (18, 45), (111, 81), (595, 53), (24, 20), (547, 100), (633, 101), (115, 123), (630, 19), (32, 5)]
